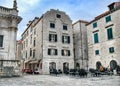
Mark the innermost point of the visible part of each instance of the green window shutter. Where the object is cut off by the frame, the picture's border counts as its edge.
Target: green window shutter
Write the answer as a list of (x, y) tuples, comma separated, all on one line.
[(62, 52), (56, 53), (49, 50), (95, 25), (68, 39), (97, 52), (96, 38), (56, 38), (109, 33), (108, 18), (111, 49), (1, 40), (49, 37), (68, 52), (62, 39)]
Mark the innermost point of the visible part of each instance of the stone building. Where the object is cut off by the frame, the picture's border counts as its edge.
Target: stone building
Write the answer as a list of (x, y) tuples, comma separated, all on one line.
[(104, 38), (19, 54), (80, 44), (19, 50), (48, 42), (9, 21)]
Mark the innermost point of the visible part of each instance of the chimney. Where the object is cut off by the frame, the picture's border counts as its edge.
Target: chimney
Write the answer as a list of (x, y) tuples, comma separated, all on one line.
[(113, 6)]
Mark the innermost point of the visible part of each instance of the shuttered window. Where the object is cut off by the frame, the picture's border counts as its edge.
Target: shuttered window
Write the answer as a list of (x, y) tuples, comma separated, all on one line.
[(65, 52), (53, 37), (1, 40), (52, 25), (95, 25), (109, 33), (52, 51), (96, 40), (108, 18), (64, 27), (111, 49), (97, 52), (66, 39)]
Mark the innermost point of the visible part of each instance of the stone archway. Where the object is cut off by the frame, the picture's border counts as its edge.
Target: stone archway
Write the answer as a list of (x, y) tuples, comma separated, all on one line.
[(113, 64), (65, 66), (52, 65), (98, 64)]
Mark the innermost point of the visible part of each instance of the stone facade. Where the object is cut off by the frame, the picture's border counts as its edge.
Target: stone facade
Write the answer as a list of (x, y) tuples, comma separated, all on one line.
[(53, 35), (9, 21), (104, 38), (80, 44)]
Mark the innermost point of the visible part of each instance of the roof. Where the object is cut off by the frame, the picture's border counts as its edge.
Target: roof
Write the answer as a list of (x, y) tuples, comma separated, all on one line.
[(81, 21), (117, 7)]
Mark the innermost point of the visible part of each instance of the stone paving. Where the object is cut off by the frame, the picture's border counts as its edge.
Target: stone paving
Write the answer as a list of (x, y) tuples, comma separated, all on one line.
[(61, 80)]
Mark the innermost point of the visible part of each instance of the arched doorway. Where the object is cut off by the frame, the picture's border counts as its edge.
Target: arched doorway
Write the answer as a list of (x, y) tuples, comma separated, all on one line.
[(65, 66), (77, 66), (98, 64), (113, 64), (52, 65)]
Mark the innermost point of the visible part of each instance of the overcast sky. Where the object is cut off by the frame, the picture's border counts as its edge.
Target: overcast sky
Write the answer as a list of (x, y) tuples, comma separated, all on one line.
[(76, 9)]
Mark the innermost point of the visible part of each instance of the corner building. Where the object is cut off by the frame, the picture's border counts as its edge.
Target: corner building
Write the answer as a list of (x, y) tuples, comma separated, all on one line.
[(49, 41), (104, 39)]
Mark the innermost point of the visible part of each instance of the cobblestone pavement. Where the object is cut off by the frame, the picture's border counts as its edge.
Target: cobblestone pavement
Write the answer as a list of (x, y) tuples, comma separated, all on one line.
[(62, 80)]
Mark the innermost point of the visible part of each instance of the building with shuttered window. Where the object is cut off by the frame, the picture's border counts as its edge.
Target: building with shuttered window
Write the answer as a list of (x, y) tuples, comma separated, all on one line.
[(104, 38), (48, 42)]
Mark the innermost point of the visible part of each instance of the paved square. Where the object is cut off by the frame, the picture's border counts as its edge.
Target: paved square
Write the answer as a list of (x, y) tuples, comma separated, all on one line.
[(47, 80)]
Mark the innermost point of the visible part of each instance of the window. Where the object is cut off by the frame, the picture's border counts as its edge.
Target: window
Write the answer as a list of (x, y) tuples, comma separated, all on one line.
[(65, 52), (108, 18), (96, 38), (52, 51), (26, 54), (34, 43), (58, 15), (1, 40), (27, 33), (33, 53), (34, 31), (64, 27), (66, 39), (31, 39), (109, 33), (31, 29), (97, 52), (52, 25), (30, 52), (95, 25), (26, 42), (53, 37), (111, 49)]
